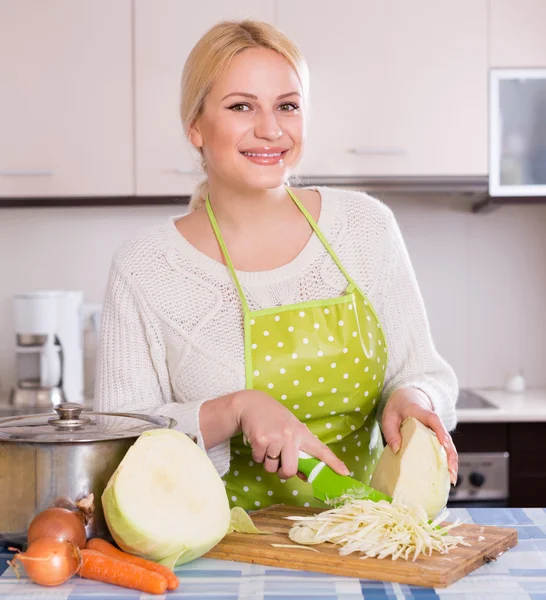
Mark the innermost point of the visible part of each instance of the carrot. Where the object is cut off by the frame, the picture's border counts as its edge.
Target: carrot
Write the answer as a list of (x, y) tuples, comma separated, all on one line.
[(101, 567), (110, 550)]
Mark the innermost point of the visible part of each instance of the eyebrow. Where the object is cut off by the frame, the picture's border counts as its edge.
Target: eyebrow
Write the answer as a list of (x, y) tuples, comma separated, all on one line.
[(253, 97)]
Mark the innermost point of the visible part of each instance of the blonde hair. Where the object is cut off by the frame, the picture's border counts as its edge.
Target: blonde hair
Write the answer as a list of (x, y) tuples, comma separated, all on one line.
[(212, 55)]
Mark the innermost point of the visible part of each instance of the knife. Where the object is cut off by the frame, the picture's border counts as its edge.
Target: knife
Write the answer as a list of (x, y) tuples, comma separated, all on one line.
[(328, 485)]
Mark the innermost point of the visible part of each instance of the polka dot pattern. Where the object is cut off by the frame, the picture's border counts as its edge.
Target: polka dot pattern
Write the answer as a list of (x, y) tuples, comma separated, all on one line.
[(321, 363)]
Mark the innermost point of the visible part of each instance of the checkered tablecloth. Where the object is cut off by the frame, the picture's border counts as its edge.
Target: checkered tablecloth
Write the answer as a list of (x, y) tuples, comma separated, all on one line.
[(518, 574)]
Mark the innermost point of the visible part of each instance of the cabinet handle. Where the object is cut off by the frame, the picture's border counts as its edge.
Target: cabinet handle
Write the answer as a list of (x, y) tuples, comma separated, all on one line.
[(26, 173), (187, 171), (378, 150)]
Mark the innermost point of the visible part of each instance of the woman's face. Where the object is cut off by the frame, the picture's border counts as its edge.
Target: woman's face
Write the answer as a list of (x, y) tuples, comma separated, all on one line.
[(251, 130)]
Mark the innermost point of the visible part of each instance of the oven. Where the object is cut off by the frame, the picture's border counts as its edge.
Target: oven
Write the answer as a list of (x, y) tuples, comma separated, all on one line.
[(482, 481), (484, 458)]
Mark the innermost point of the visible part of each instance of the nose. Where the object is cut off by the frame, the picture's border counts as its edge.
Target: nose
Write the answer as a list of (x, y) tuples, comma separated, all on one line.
[(267, 126)]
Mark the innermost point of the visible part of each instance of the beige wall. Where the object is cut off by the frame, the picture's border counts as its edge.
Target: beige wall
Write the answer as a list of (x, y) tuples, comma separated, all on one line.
[(482, 276)]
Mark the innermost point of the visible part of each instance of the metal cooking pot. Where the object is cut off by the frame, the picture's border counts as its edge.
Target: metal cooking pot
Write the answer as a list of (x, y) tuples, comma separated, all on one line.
[(56, 459)]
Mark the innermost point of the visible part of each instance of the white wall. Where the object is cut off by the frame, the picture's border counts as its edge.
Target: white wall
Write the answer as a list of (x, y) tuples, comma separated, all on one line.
[(482, 276)]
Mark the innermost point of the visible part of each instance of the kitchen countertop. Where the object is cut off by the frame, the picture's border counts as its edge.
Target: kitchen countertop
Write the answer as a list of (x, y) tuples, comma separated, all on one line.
[(509, 407), (519, 574)]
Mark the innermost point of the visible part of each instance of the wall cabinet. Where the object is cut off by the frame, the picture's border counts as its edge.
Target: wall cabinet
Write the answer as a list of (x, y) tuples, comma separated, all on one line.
[(165, 33), (397, 88), (518, 33), (90, 90), (66, 96)]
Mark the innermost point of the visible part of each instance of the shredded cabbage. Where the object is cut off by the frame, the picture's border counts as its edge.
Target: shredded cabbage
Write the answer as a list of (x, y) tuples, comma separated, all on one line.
[(294, 546), (377, 529), (242, 523)]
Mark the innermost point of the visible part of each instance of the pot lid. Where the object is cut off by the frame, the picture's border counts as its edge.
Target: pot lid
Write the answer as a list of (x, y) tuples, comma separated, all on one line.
[(72, 424)]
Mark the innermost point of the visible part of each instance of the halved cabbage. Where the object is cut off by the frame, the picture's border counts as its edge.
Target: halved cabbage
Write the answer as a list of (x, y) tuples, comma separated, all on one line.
[(418, 474), (165, 501)]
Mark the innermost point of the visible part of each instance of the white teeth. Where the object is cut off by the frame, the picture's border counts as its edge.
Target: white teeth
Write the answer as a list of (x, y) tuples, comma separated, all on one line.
[(266, 155)]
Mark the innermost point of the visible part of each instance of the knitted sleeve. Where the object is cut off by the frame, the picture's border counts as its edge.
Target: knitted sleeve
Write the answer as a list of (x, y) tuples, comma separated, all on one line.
[(132, 374), (413, 360)]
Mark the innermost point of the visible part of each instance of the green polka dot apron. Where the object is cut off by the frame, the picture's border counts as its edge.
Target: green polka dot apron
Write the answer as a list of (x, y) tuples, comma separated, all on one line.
[(325, 361)]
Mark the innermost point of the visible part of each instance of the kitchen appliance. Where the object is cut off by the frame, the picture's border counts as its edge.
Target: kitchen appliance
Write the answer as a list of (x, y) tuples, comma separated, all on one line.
[(483, 477), (437, 570), (49, 348), (517, 132), (56, 459), (482, 480)]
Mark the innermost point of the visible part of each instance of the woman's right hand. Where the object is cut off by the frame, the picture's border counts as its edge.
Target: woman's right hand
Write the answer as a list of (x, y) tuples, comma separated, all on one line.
[(273, 431)]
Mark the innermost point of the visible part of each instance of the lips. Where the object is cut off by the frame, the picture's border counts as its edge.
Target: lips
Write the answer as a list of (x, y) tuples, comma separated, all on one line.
[(265, 155), (264, 151)]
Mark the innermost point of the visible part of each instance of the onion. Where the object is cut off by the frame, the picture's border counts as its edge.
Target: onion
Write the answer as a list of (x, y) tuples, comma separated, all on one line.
[(59, 523), (49, 561)]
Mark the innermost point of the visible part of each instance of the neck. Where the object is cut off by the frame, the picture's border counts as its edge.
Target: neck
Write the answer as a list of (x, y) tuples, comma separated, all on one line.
[(241, 207)]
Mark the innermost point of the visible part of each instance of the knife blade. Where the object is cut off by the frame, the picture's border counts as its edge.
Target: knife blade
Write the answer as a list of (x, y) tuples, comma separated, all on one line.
[(328, 485)]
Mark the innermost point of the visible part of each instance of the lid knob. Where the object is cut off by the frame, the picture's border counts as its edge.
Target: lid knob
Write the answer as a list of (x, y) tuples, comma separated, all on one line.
[(68, 410), (69, 415)]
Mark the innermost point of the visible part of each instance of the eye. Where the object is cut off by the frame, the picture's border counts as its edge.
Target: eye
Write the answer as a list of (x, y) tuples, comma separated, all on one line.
[(288, 107), (239, 107)]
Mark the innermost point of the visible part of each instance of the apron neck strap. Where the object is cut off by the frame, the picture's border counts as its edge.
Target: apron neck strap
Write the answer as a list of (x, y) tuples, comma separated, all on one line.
[(311, 222), (223, 247), (321, 237)]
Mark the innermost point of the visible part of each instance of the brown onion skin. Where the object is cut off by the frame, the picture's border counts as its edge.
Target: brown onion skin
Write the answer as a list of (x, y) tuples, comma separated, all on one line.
[(49, 561), (58, 523)]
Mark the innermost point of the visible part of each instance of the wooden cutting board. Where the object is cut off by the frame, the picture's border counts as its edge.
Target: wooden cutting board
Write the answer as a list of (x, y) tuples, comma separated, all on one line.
[(438, 570)]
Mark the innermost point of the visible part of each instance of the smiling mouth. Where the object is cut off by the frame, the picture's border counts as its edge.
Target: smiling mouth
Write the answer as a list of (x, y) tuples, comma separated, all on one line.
[(265, 154)]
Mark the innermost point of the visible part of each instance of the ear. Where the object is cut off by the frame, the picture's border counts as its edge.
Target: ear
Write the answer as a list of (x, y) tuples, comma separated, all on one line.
[(195, 136)]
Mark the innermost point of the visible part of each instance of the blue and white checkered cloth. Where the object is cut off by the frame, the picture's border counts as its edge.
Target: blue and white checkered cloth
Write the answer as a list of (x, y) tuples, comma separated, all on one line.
[(517, 575)]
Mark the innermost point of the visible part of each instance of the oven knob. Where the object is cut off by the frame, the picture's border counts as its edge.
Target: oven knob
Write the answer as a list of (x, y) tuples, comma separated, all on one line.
[(476, 479)]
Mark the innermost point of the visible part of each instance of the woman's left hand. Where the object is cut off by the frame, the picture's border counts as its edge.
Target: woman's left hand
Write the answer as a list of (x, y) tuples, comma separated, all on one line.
[(411, 402)]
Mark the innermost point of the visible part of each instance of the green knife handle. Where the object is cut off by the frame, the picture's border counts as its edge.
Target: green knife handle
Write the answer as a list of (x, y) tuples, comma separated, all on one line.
[(306, 463)]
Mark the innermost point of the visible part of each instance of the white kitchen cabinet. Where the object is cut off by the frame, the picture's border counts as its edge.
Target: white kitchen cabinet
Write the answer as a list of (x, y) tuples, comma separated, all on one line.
[(518, 33), (165, 33), (66, 97), (397, 87)]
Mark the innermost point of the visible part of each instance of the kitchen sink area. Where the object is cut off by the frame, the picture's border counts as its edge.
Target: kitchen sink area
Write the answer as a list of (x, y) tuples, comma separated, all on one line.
[(470, 400)]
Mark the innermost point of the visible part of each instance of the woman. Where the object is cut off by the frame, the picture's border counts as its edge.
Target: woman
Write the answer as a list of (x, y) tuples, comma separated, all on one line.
[(261, 320)]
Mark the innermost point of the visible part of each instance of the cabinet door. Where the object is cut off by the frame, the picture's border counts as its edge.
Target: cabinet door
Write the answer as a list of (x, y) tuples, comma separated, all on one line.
[(518, 33), (65, 91), (397, 87), (165, 33), (527, 466)]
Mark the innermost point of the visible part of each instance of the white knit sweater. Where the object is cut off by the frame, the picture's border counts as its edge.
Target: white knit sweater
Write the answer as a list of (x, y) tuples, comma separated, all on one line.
[(172, 334)]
